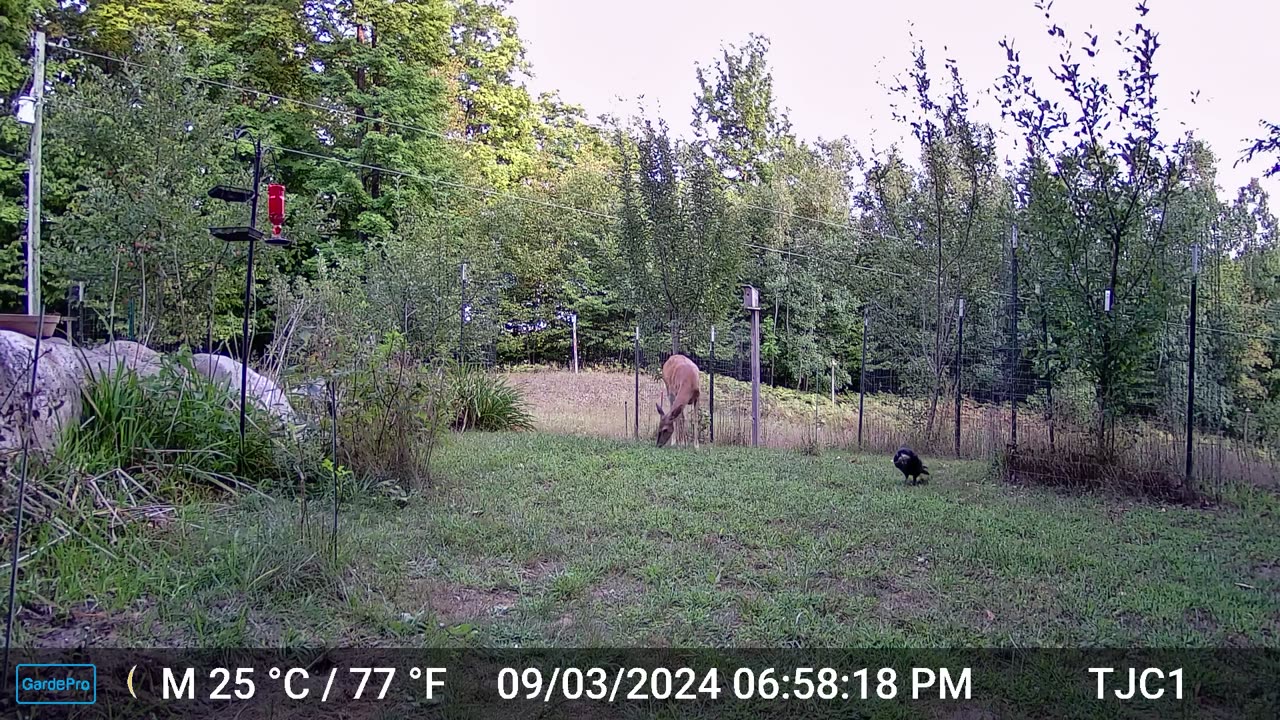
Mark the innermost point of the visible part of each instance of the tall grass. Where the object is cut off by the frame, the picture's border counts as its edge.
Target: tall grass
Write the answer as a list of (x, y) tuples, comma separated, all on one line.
[(486, 401), (177, 428)]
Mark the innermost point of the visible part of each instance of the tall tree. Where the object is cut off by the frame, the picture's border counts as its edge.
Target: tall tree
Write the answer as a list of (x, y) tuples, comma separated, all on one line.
[(676, 233), (495, 112), (1102, 178), (941, 231), (734, 111)]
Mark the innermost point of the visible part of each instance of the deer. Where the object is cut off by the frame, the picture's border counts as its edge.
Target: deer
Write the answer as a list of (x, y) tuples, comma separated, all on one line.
[(681, 377)]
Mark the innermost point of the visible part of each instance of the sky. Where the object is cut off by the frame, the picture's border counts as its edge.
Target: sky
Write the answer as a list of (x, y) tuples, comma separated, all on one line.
[(833, 60)]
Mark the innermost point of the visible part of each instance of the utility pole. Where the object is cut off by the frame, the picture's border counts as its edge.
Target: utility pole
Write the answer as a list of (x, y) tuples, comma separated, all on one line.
[(33, 180)]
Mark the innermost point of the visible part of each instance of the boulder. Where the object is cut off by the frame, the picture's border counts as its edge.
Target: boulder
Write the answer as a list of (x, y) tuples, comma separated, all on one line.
[(107, 358), (264, 393), (56, 403), (64, 369)]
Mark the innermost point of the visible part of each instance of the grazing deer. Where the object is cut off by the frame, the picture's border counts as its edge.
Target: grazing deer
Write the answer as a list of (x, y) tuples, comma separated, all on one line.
[(681, 377)]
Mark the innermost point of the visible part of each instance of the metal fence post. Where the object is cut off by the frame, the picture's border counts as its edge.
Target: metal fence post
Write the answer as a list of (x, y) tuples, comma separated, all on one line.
[(862, 375), (1191, 371), (751, 301), (959, 372), (711, 365), (636, 427)]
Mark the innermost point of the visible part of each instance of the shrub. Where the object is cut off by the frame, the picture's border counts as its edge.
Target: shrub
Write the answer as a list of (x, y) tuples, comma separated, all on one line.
[(486, 401), (392, 409)]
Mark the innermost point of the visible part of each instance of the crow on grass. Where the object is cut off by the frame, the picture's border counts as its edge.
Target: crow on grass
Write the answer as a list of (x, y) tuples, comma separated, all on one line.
[(910, 464)]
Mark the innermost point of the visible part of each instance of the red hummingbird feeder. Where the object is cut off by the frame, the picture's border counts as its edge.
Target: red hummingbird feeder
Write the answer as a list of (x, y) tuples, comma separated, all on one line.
[(275, 213)]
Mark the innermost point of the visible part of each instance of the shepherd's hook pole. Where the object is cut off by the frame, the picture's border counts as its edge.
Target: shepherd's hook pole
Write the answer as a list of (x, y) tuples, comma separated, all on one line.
[(248, 297)]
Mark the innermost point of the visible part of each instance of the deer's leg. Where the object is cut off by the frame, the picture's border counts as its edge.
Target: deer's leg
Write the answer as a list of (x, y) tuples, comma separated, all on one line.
[(675, 430), (697, 424)]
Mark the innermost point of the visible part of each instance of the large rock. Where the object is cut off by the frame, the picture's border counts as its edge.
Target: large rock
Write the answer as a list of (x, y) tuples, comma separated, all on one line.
[(56, 403), (264, 393), (105, 359), (64, 369)]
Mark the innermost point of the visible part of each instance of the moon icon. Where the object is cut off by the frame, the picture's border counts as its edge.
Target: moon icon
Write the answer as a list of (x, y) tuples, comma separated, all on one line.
[(129, 682)]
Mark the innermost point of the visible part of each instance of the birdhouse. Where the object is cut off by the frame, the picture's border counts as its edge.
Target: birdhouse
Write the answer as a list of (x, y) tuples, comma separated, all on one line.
[(750, 298), (961, 307)]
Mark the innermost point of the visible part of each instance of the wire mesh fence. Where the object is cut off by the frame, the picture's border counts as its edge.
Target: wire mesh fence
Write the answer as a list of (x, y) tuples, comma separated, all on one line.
[(970, 383)]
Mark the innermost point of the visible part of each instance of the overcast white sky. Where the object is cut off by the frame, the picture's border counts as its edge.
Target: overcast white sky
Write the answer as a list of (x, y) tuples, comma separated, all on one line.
[(830, 57)]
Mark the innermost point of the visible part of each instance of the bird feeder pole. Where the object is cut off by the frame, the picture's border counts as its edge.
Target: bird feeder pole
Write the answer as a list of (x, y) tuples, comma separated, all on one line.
[(248, 288)]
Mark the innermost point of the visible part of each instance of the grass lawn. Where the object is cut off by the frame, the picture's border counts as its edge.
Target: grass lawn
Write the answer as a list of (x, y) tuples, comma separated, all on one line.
[(542, 540)]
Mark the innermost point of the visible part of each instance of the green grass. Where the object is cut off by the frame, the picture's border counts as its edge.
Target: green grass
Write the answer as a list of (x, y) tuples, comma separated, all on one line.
[(537, 540)]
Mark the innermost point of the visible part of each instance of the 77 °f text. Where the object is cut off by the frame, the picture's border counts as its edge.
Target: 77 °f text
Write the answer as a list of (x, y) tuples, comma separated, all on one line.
[(1149, 684)]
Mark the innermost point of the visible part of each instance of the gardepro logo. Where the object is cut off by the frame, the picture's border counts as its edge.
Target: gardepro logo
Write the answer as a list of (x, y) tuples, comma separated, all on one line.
[(57, 684)]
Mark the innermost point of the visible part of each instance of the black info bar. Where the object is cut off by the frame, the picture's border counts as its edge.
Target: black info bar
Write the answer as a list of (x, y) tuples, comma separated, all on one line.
[(638, 682)]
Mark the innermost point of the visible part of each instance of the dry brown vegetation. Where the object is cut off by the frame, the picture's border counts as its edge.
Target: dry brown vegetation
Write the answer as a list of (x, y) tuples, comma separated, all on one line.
[(601, 403)]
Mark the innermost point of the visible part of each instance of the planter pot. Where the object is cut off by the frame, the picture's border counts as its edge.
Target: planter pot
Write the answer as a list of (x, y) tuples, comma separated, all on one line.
[(29, 324)]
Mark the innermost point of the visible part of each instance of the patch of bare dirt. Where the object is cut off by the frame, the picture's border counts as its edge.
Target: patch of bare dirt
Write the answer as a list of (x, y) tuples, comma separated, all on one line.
[(540, 570), (1201, 621), (458, 603), (617, 589), (895, 600), (1267, 571), (81, 625)]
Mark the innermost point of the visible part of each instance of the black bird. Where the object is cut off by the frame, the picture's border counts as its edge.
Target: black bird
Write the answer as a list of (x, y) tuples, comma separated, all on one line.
[(909, 463)]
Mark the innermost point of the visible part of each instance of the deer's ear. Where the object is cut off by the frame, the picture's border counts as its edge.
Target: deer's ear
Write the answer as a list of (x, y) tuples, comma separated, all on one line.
[(660, 413)]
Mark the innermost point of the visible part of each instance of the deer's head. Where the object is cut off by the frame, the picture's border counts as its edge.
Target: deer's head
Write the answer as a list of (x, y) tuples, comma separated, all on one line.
[(666, 425)]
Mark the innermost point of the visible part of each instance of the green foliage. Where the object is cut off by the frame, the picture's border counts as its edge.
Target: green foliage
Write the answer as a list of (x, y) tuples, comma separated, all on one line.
[(677, 232), (176, 430), (143, 147), (485, 401), (392, 412), (15, 78), (734, 111)]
